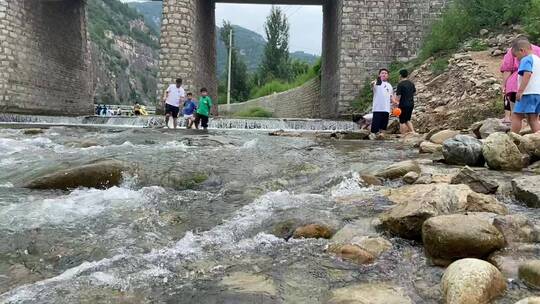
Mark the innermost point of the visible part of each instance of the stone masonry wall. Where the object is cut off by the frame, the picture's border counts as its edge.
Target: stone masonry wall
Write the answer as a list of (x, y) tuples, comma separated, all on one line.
[(44, 57), (375, 33), (188, 45), (301, 102)]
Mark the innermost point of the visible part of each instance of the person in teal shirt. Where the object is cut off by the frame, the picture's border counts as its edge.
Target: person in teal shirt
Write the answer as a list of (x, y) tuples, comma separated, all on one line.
[(203, 109)]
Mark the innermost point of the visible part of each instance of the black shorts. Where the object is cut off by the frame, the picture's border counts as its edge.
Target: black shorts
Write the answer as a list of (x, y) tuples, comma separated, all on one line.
[(406, 114), (203, 120), (379, 122), (508, 100), (170, 109)]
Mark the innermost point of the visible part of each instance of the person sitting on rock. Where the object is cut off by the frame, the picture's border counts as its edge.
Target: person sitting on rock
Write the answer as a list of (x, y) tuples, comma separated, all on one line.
[(363, 121), (509, 69), (137, 109), (528, 94), (382, 98)]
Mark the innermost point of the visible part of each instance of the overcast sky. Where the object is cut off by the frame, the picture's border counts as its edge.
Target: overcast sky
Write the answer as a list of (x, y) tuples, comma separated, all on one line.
[(305, 22)]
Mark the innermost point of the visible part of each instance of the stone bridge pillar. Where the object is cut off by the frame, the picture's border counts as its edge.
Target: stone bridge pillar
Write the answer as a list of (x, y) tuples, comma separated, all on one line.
[(44, 58), (188, 46)]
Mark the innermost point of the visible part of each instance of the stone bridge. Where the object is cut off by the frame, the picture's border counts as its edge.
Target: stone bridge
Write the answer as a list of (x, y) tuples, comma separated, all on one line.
[(44, 53)]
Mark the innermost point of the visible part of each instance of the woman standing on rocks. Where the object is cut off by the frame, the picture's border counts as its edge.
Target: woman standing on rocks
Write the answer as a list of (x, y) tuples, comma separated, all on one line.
[(509, 68)]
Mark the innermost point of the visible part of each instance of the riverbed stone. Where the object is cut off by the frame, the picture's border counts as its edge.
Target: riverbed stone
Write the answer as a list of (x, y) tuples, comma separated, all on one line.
[(315, 231), (531, 145), (398, 170), (374, 245), (478, 202), (516, 228), (424, 179), (490, 126), (410, 177), (448, 238), (371, 180), (250, 283), (101, 174), (417, 203), (527, 190), (501, 153), (356, 135), (352, 252), (463, 150), (369, 293), (285, 228), (529, 273), (32, 131), (442, 136), (472, 281), (475, 181), (429, 147)]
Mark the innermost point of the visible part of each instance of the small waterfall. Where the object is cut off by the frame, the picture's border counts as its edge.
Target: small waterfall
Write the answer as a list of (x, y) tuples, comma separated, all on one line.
[(159, 121)]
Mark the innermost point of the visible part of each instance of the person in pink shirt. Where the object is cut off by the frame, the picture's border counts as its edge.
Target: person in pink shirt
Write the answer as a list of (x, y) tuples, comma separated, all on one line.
[(509, 68)]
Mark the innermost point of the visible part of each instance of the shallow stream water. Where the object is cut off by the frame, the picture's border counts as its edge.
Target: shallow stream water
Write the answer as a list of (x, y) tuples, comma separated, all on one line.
[(192, 221)]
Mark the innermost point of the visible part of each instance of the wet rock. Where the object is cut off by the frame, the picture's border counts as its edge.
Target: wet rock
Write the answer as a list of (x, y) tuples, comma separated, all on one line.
[(88, 143), (472, 281), (529, 273), (371, 180), (441, 136), (356, 135), (374, 245), (451, 237), (429, 147), (285, 229), (352, 252), (477, 202), (417, 203), (530, 300), (32, 131), (371, 293), (527, 190), (18, 274), (355, 231), (285, 133), (492, 125), (101, 174), (463, 150), (250, 283), (475, 181), (424, 179), (501, 153), (516, 228), (411, 177), (398, 170), (314, 231)]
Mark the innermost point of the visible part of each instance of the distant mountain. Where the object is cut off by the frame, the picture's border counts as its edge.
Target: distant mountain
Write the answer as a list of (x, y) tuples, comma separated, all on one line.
[(249, 43)]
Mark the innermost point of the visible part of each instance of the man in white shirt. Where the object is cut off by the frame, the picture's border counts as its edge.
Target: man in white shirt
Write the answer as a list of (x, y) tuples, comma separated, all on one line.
[(174, 96), (382, 98)]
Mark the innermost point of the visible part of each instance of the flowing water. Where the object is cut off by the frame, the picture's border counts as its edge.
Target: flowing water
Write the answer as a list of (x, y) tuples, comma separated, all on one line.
[(192, 221)]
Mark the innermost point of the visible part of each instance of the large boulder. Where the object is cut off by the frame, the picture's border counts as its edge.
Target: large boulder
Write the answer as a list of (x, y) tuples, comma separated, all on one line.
[(530, 144), (530, 300), (417, 203), (463, 150), (472, 281), (398, 170), (452, 237), (527, 190), (475, 181), (442, 136), (369, 293), (490, 126), (101, 174), (501, 153), (429, 147), (315, 231), (529, 273)]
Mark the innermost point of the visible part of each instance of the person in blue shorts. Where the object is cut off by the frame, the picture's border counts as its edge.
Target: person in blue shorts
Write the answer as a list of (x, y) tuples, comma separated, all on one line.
[(528, 95), (189, 110)]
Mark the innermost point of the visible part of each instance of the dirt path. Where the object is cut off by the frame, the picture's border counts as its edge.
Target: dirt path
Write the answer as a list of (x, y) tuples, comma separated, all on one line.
[(492, 64)]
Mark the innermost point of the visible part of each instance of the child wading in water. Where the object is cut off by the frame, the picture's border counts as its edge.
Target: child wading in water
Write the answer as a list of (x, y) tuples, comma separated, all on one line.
[(528, 95), (203, 110)]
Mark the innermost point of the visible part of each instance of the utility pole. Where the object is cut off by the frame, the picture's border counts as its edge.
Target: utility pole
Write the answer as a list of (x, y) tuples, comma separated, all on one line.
[(229, 73)]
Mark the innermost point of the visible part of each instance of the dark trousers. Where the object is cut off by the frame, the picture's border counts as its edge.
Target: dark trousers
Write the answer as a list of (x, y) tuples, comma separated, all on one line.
[(379, 122), (201, 119)]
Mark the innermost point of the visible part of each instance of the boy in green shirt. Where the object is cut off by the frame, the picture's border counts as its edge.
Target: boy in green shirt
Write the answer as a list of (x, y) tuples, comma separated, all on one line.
[(203, 109)]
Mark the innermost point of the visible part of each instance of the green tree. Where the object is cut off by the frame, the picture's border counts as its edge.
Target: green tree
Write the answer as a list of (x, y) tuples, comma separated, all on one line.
[(240, 87), (275, 63)]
